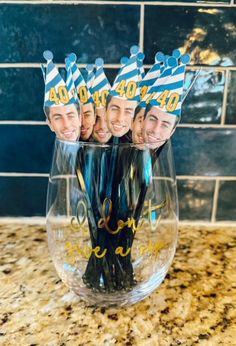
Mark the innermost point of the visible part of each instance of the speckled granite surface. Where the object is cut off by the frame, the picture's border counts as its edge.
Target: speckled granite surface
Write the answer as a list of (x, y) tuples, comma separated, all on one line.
[(195, 305)]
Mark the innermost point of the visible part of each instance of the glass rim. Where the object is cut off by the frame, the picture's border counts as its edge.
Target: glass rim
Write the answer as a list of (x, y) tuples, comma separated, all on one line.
[(147, 145)]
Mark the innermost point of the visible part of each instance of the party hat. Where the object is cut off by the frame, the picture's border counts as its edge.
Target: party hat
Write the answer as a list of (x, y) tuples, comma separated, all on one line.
[(170, 64), (101, 86), (126, 84), (69, 80), (168, 96), (152, 75), (81, 87), (56, 91), (135, 52), (90, 76)]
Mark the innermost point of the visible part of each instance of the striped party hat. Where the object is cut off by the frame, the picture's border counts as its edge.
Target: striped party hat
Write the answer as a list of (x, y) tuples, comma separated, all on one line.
[(69, 80), (56, 91), (152, 75), (81, 87), (170, 64), (168, 96), (101, 86), (126, 84), (135, 52), (90, 76), (140, 58)]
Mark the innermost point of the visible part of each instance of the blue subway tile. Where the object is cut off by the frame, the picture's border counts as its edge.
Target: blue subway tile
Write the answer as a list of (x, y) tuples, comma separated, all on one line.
[(226, 210), (26, 148), (231, 104), (206, 151), (203, 103), (206, 33), (22, 91), (89, 30), (195, 199), (23, 196)]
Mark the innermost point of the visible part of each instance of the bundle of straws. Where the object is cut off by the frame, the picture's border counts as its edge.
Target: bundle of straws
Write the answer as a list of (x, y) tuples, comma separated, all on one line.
[(115, 195)]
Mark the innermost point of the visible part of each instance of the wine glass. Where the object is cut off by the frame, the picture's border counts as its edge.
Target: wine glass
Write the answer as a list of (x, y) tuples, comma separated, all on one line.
[(112, 219)]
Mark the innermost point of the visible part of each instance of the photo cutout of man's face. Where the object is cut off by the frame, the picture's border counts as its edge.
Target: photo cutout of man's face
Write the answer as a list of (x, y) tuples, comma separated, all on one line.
[(137, 126), (120, 113), (65, 121), (158, 127), (88, 120), (101, 133)]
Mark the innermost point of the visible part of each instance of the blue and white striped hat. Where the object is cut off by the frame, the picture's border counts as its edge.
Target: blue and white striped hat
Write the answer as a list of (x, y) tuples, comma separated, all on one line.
[(81, 87), (101, 86), (56, 91), (90, 76), (69, 80), (168, 95), (170, 64), (126, 84), (135, 52), (151, 76)]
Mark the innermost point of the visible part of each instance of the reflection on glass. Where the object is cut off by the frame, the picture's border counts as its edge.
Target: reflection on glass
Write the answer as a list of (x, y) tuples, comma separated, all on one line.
[(112, 219)]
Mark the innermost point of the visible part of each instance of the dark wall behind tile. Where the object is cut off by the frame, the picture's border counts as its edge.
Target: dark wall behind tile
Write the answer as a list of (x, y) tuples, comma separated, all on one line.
[(203, 104), (88, 30), (26, 148), (21, 94), (206, 33), (231, 104), (227, 201), (205, 151), (22, 196), (195, 199)]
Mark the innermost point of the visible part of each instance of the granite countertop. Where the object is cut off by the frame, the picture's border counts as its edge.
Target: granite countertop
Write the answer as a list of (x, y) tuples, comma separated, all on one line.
[(195, 305)]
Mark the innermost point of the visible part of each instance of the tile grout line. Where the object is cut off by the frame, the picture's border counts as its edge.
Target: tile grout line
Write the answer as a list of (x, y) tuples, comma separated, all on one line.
[(23, 174), (208, 178), (23, 122), (215, 201), (114, 66), (225, 97), (186, 125), (179, 177), (134, 3), (141, 28)]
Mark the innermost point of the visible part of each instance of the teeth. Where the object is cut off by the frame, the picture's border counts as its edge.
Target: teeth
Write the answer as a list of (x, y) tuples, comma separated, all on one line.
[(152, 138), (117, 127)]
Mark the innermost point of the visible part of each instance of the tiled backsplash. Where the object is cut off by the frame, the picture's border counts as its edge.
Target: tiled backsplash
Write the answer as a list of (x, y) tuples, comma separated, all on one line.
[(205, 141)]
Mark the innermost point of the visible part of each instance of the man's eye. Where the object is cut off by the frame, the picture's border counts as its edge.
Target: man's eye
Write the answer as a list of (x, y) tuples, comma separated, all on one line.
[(152, 118), (166, 126), (114, 109), (57, 118)]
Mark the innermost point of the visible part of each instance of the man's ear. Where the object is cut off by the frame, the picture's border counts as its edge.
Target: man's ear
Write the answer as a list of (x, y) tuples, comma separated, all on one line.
[(50, 125)]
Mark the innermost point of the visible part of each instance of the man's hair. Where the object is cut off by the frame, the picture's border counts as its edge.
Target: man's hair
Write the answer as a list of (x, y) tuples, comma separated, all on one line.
[(149, 107), (47, 110), (108, 100), (137, 110)]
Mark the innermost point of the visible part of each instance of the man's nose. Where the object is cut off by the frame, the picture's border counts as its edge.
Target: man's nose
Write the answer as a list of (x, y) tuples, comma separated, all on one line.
[(121, 115), (103, 123), (66, 122), (157, 127)]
